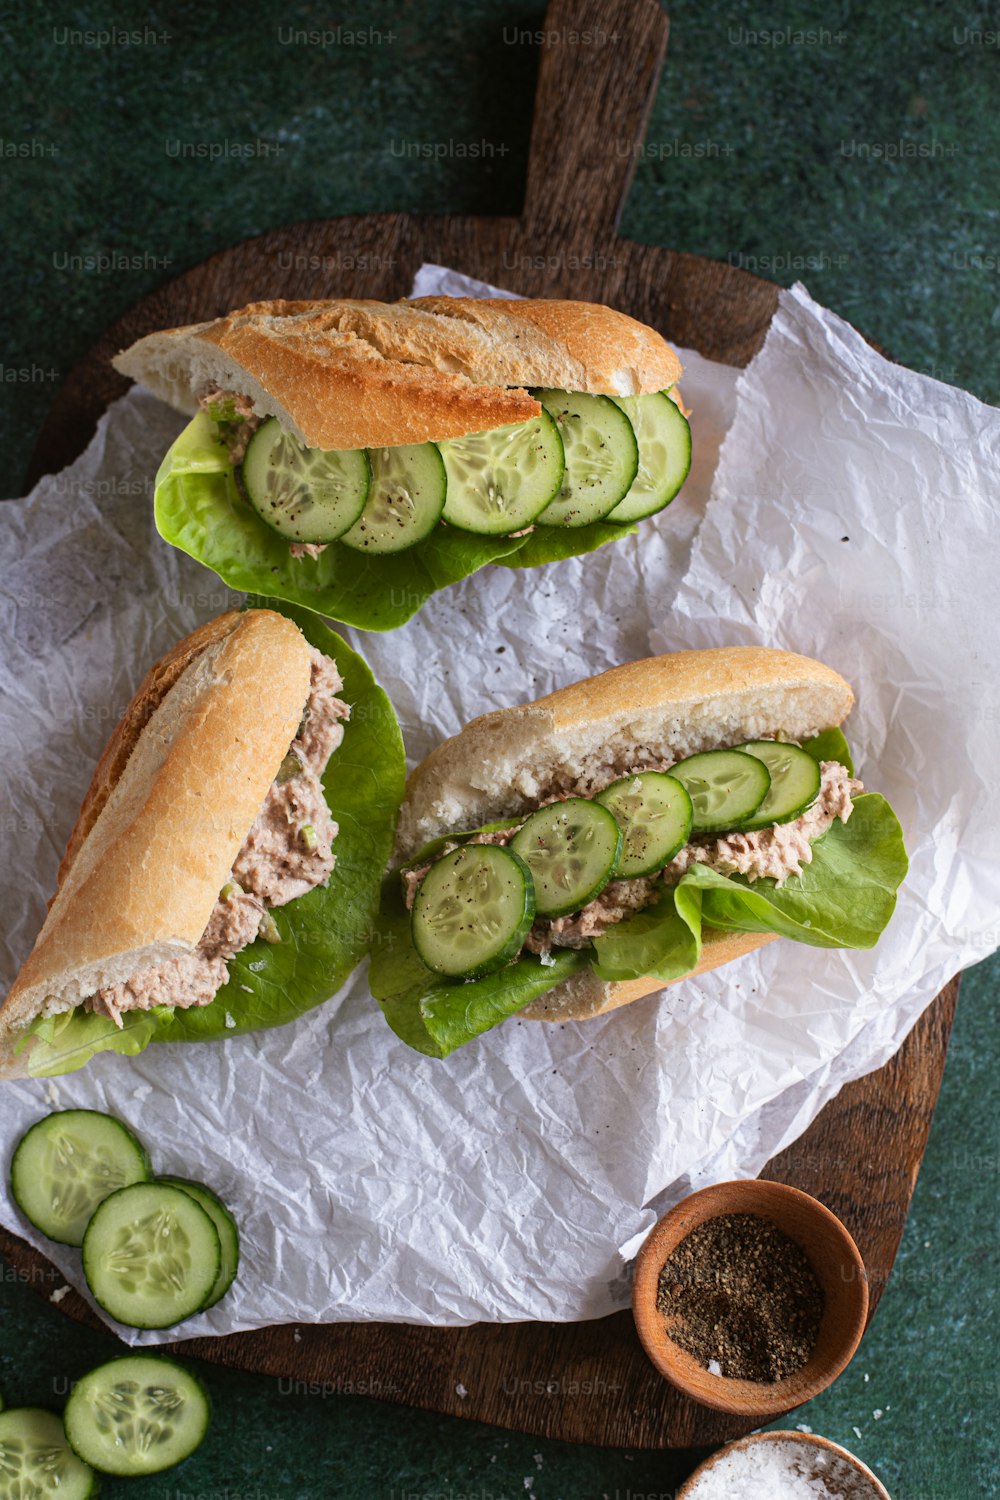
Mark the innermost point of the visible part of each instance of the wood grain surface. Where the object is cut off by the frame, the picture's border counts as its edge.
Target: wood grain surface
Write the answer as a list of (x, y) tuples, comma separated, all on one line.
[(587, 1382)]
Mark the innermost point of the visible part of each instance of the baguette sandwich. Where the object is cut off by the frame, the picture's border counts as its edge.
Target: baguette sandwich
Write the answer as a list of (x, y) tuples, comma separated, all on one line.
[(223, 873), (355, 456), (564, 858)]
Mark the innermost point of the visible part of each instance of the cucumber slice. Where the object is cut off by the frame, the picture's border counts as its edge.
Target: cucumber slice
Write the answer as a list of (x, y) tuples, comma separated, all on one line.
[(137, 1415), (795, 781), (602, 457), (67, 1164), (726, 788), (36, 1461), (664, 439), (572, 850), (305, 494), (501, 481), (405, 502), (473, 911), (655, 814), (151, 1255), (225, 1224)]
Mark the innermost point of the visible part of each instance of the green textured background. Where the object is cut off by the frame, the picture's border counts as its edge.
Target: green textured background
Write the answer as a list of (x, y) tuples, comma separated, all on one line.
[(753, 154)]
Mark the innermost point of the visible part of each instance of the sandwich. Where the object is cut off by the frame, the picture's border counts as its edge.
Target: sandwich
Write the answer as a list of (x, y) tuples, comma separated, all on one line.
[(572, 855), (224, 870), (355, 456)]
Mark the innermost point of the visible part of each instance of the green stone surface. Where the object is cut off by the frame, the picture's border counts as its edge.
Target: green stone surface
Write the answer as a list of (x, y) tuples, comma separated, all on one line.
[(770, 150)]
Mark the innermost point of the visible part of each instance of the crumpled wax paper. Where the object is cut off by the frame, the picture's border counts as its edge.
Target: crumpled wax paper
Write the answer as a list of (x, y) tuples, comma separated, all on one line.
[(850, 518)]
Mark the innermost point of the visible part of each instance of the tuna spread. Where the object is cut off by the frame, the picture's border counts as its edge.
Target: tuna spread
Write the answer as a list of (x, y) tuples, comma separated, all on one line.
[(236, 418), (287, 852), (774, 853)]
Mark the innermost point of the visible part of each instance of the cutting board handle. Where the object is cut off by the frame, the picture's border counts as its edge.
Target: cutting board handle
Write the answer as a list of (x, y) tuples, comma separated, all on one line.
[(600, 65)]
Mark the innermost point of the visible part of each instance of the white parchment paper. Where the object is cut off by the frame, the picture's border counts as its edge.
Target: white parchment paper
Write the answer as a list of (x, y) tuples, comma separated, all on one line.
[(851, 518)]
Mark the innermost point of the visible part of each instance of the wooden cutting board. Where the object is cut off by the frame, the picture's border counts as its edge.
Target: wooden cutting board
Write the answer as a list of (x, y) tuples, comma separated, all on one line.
[(586, 1382)]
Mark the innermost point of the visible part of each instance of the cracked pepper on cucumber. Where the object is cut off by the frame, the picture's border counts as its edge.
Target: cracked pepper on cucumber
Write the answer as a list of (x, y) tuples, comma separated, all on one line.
[(356, 456), (564, 858)]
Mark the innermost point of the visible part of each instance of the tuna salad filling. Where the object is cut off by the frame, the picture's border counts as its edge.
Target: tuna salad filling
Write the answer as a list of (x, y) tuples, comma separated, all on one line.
[(288, 851), (776, 853), (237, 421)]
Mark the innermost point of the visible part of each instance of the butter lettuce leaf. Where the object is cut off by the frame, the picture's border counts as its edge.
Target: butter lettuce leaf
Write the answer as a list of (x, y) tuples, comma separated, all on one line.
[(61, 1044), (830, 745), (435, 1015), (199, 508), (843, 899), (324, 934)]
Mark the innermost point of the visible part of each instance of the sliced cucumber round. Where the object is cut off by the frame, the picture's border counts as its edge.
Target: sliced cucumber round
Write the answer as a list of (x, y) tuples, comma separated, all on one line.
[(664, 439), (305, 494), (655, 814), (473, 911), (572, 850), (795, 782), (726, 788), (151, 1255), (67, 1164), (137, 1415), (501, 481), (405, 502), (37, 1462), (602, 457), (225, 1224)]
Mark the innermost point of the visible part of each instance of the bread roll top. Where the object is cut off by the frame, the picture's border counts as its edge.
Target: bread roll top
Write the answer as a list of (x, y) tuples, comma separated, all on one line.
[(365, 374)]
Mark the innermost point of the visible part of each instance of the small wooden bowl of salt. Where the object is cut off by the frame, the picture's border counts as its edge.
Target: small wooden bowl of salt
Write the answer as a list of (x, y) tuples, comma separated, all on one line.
[(783, 1466), (750, 1297)]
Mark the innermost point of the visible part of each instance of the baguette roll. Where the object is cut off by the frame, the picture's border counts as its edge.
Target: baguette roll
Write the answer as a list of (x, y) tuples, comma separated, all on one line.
[(578, 739), (365, 374), (171, 803)]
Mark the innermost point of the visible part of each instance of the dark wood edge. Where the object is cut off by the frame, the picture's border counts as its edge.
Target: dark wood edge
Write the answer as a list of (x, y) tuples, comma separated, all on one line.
[(591, 110)]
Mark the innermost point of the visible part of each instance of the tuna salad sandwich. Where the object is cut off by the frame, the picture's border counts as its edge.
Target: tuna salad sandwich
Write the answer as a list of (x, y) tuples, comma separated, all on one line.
[(563, 858), (224, 870), (356, 456)]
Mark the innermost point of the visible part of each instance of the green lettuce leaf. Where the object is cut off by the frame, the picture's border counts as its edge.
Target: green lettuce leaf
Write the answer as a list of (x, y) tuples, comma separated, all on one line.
[(435, 1015), (199, 509), (843, 899), (663, 941), (830, 745), (324, 934), (61, 1044), (554, 543)]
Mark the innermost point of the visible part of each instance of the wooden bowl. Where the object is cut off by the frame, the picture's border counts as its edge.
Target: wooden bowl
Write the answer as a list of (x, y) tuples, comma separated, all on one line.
[(856, 1479), (834, 1257)]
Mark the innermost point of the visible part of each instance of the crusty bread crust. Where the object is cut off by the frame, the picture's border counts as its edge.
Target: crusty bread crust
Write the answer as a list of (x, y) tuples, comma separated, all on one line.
[(356, 374), (172, 800), (677, 704), (148, 696)]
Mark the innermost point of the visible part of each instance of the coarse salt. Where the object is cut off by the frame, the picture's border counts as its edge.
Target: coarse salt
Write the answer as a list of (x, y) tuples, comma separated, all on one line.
[(779, 1470)]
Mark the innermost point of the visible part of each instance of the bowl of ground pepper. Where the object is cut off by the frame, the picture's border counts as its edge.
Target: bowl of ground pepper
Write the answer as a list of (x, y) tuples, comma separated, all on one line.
[(751, 1297)]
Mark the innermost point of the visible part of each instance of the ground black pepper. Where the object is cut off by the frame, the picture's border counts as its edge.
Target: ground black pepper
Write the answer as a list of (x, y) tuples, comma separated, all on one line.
[(739, 1292)]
